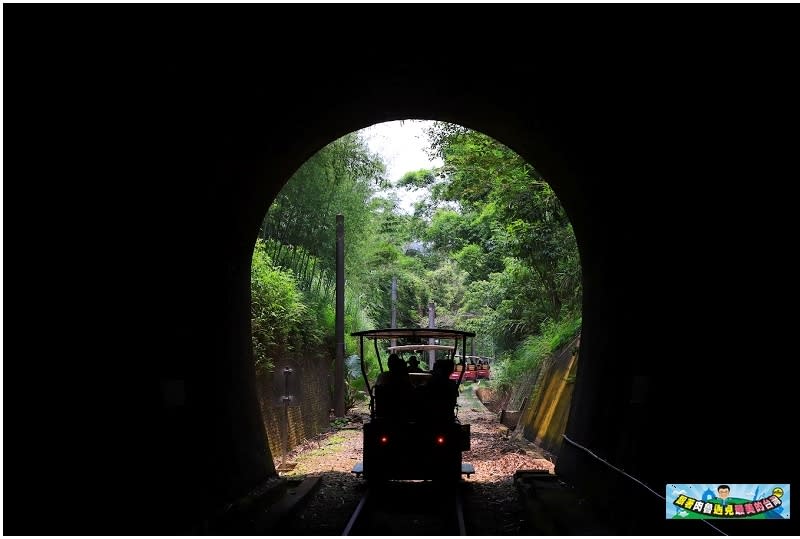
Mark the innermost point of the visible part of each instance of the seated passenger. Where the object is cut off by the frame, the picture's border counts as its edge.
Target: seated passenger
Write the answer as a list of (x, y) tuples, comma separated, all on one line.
[(441, 392), (417, 376), (397, 375), (393, 390), (413, 365)]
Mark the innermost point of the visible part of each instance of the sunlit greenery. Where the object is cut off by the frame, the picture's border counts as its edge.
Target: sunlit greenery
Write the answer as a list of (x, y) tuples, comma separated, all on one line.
[(510, 367), (489, 244)]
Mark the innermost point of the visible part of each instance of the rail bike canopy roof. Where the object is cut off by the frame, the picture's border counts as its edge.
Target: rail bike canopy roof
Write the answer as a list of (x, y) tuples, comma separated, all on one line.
[(420, 347), (406, 333)]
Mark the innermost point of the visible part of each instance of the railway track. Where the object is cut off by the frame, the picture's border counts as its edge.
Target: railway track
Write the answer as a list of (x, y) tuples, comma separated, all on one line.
[(409, 508)]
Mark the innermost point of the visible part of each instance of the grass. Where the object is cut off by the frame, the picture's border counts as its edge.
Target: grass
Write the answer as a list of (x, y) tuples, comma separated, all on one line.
[(527, 356), (335, 440)]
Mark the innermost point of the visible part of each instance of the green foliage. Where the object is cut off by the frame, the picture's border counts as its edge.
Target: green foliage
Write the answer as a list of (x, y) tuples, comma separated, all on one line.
[(301, 222), (417, 179), (447, 287), (491, 246), (529, 355), (506, 228), (277, 310), (298, 234), (338, 423), (448, 230), (472, 259)]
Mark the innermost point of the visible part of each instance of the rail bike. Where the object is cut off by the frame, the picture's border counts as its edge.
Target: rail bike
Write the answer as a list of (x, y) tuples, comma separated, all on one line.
[(414, 432)]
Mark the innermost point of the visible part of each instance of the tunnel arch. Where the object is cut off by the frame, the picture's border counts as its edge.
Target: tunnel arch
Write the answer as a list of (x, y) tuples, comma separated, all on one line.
[(569, 143), (508, 126)]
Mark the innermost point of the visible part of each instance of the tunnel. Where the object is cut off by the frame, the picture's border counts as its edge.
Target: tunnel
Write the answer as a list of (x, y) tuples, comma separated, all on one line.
[(681, 374)]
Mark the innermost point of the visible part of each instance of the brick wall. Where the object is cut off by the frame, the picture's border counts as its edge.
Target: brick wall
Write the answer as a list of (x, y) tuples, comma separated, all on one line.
[(308, 413)]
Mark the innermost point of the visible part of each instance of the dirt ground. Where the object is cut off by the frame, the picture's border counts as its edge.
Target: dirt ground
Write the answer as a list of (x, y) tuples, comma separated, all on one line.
[(491, 504)]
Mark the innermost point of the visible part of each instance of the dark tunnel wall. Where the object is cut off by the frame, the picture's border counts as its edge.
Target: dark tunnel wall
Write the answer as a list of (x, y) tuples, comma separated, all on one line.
[(683, 269)]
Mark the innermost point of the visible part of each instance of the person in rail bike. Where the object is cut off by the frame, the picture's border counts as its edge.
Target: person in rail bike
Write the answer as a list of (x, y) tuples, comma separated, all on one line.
[(393, 389), (396, 375), (441, 392), (413, 365)]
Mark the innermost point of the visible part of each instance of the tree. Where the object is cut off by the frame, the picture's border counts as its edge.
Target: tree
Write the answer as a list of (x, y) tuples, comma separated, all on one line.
[(520, 209)]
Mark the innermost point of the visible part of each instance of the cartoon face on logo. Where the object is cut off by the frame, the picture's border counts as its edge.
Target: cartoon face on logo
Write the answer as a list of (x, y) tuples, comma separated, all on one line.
[(777, 491), (723, 491)]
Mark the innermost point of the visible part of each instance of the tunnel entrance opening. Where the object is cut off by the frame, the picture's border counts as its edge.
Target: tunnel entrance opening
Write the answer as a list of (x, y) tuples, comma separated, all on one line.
[(445, 239)]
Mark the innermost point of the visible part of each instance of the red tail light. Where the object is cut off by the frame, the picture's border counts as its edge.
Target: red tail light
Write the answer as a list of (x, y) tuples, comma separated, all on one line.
[(383, 439), (440, 440)]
